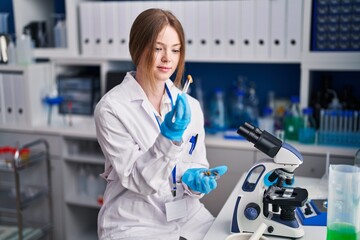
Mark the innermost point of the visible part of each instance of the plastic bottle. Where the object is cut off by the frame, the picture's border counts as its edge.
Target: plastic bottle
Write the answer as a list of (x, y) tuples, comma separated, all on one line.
[(11, 51), (217, 110), (357, 158), (293, 119), (24, 49), (82, 181), (60, 34), (307, 131), (267, 121), (238, 112), (252, 106)]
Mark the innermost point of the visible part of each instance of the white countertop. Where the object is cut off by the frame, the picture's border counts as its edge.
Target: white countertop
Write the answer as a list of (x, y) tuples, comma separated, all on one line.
[(85, 127), (220, 229)]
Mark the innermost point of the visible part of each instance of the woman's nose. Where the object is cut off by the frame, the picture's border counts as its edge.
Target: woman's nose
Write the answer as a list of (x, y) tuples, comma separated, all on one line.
[(166, 57)]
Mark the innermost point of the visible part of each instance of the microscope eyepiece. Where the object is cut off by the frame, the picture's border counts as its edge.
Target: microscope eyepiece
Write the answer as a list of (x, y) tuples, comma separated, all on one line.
[(264, 141)]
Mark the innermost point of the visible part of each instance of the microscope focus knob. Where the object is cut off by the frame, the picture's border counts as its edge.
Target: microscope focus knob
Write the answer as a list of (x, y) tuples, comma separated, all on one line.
[(252, 211)]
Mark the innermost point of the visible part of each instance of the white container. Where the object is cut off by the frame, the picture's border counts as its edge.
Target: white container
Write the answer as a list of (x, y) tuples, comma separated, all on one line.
[(243, 236)]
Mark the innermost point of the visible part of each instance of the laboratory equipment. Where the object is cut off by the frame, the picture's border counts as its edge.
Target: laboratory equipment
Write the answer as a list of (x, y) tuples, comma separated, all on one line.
[(184, 91), (313, 213), (343, 203), (252, 205), (308, 127), (217, 112), (293, 119)]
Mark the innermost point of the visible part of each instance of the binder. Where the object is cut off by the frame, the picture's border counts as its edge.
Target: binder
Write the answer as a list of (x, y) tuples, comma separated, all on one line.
[(294, 15), (97, 30), (232, 25), (20, 109), (110, 25), (123, 26), (277, 29), (86, 29), (262, 32), (218, 26), (203, 22), (247, 32), (9, 96), (2, 105), (177, 8), (190, 28)]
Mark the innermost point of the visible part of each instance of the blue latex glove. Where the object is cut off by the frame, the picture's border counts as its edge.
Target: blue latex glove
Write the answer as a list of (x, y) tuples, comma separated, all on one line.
[(174, 130), (203, 180)]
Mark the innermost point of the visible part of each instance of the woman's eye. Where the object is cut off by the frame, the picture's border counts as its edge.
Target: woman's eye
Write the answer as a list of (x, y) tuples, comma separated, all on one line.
[(176, 50), (158, 49)]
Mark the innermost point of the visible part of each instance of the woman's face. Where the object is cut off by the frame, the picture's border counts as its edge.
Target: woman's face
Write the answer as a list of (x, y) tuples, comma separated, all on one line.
[(167, 53)]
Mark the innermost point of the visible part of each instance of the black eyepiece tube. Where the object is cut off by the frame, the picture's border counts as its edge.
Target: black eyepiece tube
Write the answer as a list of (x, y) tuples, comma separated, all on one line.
[(264, 141)]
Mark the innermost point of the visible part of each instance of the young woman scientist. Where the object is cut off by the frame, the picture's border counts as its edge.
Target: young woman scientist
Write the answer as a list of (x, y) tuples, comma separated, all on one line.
[(152, 136)]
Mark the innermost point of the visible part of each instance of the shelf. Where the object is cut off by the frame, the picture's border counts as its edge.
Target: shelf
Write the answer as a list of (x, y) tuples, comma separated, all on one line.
[(29, 233), (86, 158), (28, 195), (35, 158), (82, 201)]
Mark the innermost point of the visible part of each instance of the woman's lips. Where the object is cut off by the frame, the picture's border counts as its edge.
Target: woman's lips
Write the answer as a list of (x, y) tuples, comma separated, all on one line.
[(164, 69)]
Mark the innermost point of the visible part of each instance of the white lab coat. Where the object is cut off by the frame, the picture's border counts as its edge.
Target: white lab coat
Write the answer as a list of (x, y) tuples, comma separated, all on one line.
[(138, 166)]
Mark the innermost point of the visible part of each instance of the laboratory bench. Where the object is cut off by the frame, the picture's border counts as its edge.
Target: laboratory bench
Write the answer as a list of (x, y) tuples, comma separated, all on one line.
[(74, 150), (317, 189)]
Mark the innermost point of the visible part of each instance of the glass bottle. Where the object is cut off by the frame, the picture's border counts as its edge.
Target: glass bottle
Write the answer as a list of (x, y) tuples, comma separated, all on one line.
[(293, 119), (217, 110), (307, 129)]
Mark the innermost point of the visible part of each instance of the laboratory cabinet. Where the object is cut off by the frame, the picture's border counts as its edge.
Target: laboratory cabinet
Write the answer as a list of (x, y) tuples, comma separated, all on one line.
[(25, 186), (83, 186)]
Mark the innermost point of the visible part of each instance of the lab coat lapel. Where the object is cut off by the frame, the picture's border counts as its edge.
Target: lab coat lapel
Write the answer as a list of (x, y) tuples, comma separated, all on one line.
[(137, 95)]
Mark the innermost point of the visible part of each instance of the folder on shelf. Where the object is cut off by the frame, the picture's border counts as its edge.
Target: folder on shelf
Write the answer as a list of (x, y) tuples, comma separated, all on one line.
[(232, 25), (247, 32), (20, 109), (177, 8), (277, 28), (9, 101), (294, 16), (123, 26), (203, 24), (86, 29), (110, 25), (162, 4), (262, 32), (218, 27), (97, 30), (190, 28), (2, 105)]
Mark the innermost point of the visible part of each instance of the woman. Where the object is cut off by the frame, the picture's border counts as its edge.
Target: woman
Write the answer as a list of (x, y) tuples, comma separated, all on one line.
[(152, 136)]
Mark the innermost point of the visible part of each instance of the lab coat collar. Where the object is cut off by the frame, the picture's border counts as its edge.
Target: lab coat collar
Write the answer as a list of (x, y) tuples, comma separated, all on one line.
[(137, 93)]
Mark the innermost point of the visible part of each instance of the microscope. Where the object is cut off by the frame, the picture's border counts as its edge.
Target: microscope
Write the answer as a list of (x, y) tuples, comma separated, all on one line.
[(255, 198)]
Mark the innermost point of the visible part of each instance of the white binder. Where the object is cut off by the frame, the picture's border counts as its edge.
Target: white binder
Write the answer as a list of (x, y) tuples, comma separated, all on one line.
[(203, 23), (218, 27), (2, 105), (86, 29), (294, 29), (110, 25), (177, 8), (123, 27), (97, 30), (20, 107), (9, 101), (190, 28), (233, 28), (166, 5), (247, 21), (277, 29), (262, 32)]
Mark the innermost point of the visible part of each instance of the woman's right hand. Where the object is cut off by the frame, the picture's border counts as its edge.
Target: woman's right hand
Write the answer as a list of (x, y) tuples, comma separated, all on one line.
[(177, 120)]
